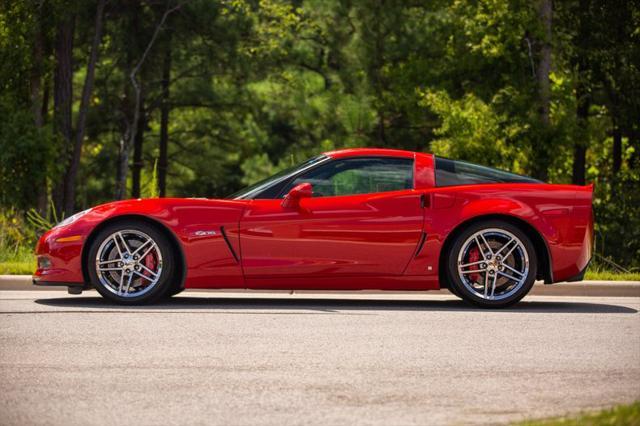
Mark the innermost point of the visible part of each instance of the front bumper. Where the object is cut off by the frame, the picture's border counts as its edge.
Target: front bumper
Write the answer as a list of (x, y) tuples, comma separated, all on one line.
[(59, 254)]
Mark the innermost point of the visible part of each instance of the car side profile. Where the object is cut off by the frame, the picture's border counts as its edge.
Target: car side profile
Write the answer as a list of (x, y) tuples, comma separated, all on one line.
[(351, 219)]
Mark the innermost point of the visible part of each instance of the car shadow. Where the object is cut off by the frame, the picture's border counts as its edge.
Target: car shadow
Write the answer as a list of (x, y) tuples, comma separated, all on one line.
[(184, 304)]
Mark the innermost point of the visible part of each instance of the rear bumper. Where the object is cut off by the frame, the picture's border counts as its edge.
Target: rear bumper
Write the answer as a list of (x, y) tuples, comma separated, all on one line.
[(580, 275), (572, 252)]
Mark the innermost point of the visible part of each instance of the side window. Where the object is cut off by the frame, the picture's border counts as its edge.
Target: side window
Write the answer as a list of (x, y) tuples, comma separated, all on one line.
[(452, 173), (358, 176)]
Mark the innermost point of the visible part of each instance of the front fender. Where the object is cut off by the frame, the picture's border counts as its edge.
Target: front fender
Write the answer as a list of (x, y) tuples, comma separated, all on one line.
[(196, 224)]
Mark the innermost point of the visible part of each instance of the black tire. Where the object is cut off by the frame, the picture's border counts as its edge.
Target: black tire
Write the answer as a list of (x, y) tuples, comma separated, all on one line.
[(174, 291), (453, 290), (460, 289), (161, 287), (447, 284)]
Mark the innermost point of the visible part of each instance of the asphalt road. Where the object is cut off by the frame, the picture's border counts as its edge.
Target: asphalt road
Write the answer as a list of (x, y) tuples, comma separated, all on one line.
[(207, 358)]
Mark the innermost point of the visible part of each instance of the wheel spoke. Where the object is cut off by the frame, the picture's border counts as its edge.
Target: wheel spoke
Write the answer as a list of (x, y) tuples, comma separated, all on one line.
[(144, 276), (471, 264), (486, 243), (493, 285), (117, 244), (486, 287), (513, 270), (511, 250), (124, 242), (153, 245), (126, 289), (120, 284), (109, 269), (506, 245), (107, 262), (141, 246), (475, 271), (153, 274), (480, 248), (509, 276)]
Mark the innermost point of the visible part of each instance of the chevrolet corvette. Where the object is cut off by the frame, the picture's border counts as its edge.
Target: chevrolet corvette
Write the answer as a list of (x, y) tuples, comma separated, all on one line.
[(351, 219)]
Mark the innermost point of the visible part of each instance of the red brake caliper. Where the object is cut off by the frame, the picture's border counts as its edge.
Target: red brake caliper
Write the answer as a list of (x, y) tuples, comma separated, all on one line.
[(474, 256), (149, 262)]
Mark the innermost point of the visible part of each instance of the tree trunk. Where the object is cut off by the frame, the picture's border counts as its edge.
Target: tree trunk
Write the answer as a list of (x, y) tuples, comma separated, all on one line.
[(35, 87), (72, 170), (136, 167), (123, 156), (580, 144), (583, 96), (123, 165), (634, 140), (133, 11), (117, 195), (616, 132), (542, 146), (43, 193), (617, 150), (544, 67), (62, 98), (44, 112), (132, 127), (376, 67), (165, 108), (35, 80)]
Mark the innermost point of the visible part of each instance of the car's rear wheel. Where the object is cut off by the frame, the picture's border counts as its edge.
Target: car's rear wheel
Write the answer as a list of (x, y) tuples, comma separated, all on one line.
[(492, 264), (131, 263)]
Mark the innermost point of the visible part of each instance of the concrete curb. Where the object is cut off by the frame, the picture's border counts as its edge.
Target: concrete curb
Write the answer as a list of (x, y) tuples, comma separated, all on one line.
[(583, 288)]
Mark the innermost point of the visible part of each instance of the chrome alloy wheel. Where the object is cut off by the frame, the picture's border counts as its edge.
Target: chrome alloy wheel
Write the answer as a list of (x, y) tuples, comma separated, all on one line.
[(493, 264), (128, 263)]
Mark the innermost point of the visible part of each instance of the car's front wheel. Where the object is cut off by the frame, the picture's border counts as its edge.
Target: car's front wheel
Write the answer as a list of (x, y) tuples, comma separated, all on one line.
[(492, 264), (131, 263)]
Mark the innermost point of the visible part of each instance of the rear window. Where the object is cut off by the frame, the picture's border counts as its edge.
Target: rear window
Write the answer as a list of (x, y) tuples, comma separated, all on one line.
[(452, 173)]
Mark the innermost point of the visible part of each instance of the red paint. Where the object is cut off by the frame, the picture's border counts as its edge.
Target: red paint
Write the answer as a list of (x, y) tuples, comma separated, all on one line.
[(345, 242), (366, 235), (292, 199)]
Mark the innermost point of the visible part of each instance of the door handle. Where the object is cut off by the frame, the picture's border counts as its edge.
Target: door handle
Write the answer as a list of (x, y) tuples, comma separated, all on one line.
[(425, 201)]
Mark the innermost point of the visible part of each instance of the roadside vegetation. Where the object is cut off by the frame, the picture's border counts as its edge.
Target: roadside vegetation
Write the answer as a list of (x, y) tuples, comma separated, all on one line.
[(110, 99), (17, 243), (622, 415), (594, 273)]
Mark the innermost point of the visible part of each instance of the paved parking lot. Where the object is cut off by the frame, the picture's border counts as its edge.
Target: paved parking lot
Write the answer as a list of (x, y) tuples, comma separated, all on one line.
[(224, 358)]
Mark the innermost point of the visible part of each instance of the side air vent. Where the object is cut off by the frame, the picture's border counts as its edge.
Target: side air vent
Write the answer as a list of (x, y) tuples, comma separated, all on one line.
[(423, 237), (229, 246)]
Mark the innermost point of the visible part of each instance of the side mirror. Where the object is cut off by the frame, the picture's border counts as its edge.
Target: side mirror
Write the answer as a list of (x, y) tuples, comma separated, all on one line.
[(298, 192)]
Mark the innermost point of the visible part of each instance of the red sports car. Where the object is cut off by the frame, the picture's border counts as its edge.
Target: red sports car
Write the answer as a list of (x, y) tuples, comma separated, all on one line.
[(353, 219)]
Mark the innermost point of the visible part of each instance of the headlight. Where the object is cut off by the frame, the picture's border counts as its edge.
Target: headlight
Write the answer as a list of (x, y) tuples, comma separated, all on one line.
[(72, 218)]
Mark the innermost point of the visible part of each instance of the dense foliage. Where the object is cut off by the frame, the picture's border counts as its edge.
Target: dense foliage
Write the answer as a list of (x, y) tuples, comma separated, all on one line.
[(111, 99)]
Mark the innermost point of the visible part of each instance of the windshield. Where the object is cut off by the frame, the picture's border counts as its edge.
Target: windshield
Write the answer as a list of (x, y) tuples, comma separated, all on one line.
[(259, 188)]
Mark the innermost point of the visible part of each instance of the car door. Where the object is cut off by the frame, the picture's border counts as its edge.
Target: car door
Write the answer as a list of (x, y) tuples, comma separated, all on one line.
[(364, 219)]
